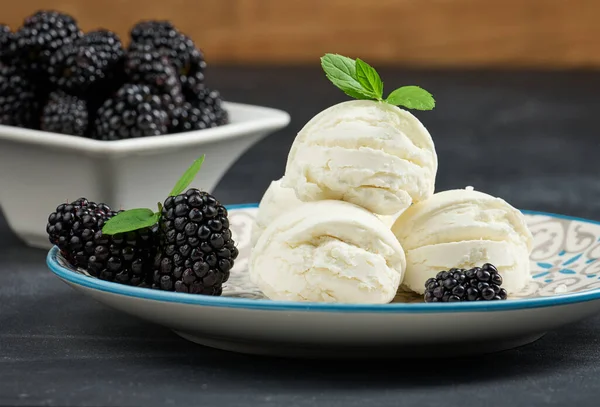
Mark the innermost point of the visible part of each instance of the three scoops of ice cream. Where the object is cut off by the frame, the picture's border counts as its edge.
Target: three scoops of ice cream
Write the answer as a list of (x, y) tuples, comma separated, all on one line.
[(355, 216)]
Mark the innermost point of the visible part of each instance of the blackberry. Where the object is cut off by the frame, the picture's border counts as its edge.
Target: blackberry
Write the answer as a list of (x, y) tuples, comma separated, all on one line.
[(18, 101), (196, 251), (133, 112), (124, 258), (40, 36), (88, 65), (188, 117), (150, 67), (210, 101), (65, 114), (82, 216), (476, 284), (7, 37), (187, 59)]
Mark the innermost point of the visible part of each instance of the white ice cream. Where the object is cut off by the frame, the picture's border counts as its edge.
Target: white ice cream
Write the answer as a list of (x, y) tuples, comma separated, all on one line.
[(277, 200), (274, 203), (369, 153), (464, 229), (328, 251)]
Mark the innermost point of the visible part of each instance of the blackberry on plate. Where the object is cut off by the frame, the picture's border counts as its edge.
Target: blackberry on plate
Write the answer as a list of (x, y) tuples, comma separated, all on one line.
[(65, 114), (18, 101), (88, 65), (476, 284), (125, 258), (150, 67), (40, 36), (7, 37), (77, 221), (135, 111), (210, 101), (196, 249)]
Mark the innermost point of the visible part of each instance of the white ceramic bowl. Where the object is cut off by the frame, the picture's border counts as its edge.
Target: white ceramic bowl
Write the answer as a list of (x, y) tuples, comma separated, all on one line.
[(39, 170)]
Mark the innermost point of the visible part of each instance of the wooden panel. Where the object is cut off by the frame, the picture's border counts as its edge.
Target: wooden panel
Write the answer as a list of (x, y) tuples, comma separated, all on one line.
[(506, 33)]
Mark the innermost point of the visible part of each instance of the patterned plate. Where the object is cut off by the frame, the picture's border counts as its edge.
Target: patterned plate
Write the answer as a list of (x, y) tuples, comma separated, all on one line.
[(565, 288)]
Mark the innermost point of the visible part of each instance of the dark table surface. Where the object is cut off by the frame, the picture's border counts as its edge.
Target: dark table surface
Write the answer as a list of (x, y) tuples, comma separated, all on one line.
[(531, 138)]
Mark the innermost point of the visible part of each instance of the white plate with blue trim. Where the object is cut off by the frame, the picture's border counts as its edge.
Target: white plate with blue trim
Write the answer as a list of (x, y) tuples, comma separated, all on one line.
[(565, 289)]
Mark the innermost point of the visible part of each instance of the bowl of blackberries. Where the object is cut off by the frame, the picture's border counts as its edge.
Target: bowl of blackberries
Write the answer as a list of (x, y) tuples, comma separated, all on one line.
[(94, 114)]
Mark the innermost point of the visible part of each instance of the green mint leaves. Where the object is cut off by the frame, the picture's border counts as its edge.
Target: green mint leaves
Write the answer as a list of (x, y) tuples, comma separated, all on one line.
[(369, 79), (187, 177), (411, 97), (360, 80), (342, 72), (129, 220), (134, 219)]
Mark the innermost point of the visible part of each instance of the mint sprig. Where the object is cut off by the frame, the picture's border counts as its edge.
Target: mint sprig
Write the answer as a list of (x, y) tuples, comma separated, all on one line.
[(139, 218), (359, 80)]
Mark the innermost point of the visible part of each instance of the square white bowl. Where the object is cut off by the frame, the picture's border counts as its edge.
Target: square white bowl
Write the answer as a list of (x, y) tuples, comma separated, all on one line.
[(40, 170)]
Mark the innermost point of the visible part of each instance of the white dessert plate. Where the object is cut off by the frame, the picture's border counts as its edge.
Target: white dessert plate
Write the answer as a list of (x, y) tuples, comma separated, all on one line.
[(565, 289)]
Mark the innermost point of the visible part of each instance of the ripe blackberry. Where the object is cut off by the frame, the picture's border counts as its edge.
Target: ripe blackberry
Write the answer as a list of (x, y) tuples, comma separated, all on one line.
[(196, 250), (133, 112), (476, 284), (18, 102), (124, 258), (7, 37), (88, 65), (187, 59), (65, 114), (40, 36), (81, 215), (150, 67), (188, 117), (209, 100)]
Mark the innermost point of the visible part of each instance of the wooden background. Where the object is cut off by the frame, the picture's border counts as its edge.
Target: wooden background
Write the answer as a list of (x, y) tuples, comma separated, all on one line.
[(497, 33)]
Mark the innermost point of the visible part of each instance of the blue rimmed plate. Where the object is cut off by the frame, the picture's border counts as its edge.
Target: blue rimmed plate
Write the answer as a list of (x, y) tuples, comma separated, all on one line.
[(565, 288)]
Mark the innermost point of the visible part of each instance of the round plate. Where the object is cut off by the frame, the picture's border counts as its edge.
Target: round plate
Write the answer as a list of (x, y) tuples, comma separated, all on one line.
[(565, 288)]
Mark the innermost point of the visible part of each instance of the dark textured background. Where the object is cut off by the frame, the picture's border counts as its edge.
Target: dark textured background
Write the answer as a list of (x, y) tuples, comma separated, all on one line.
[(531, 138)]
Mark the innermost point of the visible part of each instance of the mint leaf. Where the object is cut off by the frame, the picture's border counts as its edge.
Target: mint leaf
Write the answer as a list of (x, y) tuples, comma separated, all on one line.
[(341, 71), (187, 177), (412, 97), (130, 220), (369, 78)]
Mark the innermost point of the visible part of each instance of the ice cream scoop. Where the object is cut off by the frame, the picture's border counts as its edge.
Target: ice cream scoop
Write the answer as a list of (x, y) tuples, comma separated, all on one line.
[(369, 153), (328, 251), (463, 229), (277, 200)]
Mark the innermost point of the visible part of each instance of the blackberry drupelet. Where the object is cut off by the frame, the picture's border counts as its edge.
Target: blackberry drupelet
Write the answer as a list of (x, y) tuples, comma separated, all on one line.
[(7, 37), (18, 101), (124, 258), (65, 114), (133, 112), (150, 67), (196, 250), (476, 284), (88, 65), (40, 36)]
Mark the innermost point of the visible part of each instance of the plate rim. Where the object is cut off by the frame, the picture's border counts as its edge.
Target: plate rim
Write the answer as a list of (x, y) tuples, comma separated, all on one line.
[(78, 279)]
